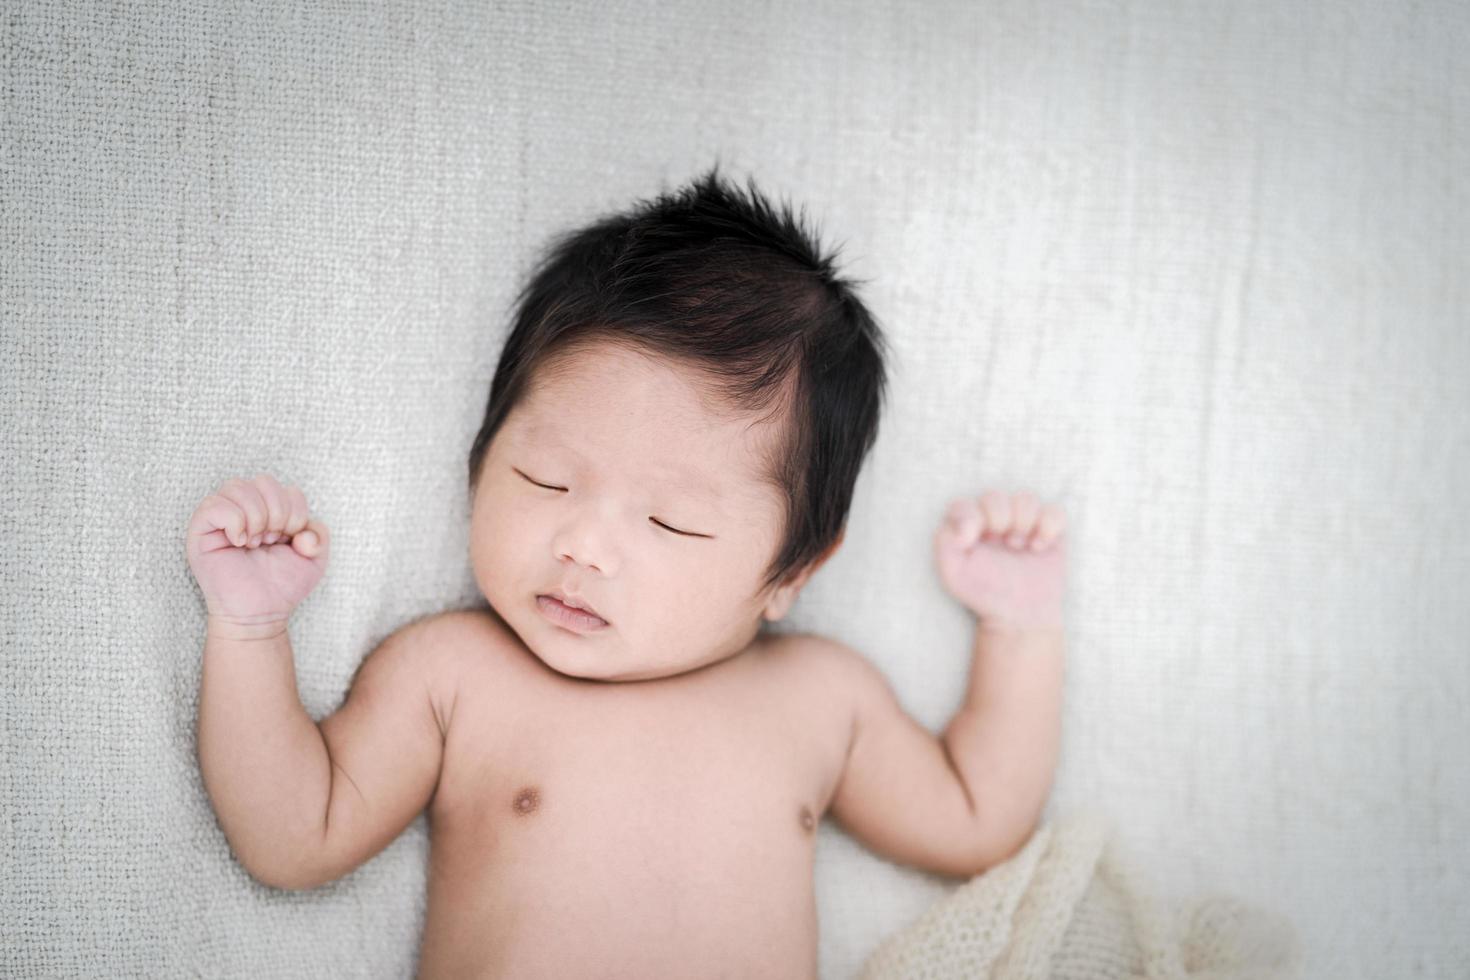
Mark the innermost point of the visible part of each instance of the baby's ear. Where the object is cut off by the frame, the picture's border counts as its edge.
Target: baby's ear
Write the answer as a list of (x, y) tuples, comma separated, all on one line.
[(785, 594), (780, 602)]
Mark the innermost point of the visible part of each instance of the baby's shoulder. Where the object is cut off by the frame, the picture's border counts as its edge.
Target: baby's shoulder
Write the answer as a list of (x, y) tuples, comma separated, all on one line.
[(824, 686), (477, 638), (467, 647), (823, 663)]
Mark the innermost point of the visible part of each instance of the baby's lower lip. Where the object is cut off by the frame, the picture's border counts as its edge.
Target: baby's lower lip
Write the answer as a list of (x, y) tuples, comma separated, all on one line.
[(564, 615)]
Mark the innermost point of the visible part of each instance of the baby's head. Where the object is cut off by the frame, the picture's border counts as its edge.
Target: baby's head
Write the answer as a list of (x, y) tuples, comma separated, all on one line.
[(673, 433)]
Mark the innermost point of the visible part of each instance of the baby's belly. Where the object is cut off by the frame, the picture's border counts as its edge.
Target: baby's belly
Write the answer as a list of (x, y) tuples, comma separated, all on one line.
[(557, 881)]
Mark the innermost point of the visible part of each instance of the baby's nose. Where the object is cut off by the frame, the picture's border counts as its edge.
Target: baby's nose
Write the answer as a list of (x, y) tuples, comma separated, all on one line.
[(583, 545)]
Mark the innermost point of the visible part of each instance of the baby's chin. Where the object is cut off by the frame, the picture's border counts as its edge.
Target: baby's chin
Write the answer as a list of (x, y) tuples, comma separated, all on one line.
[(592, 658), (609, 671)]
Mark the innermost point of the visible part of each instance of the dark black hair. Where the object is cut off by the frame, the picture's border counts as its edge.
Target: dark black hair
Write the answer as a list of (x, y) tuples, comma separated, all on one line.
[(724, 283)]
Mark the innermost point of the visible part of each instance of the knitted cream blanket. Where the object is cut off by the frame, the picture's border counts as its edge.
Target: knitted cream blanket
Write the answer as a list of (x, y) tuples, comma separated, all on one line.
[(1069, 905)]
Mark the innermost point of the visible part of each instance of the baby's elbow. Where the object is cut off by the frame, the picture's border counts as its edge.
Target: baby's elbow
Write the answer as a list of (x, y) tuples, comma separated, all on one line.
[(998, 837), (288, 883), (287, 877)]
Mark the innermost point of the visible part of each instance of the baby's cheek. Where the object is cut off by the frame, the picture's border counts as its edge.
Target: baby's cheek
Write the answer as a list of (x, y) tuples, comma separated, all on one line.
[(489, 545), (694, 602)]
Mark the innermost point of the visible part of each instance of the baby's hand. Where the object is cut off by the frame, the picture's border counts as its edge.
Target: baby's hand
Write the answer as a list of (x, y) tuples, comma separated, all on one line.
[(1005, 557), (254, 551)]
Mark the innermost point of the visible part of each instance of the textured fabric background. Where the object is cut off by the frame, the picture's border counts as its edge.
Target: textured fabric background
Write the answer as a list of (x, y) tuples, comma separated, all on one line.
[(1195, 270)]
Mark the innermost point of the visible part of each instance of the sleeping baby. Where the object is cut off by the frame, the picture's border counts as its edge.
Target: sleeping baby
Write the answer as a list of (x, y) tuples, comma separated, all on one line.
[(624, 764)]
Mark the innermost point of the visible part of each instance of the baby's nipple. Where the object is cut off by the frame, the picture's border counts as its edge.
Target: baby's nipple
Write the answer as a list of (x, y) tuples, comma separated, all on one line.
[(526, 800)]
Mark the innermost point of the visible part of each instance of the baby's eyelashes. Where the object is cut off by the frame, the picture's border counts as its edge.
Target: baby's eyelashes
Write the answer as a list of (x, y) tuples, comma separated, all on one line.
[(655, 520), (687, 534), (545, 486)]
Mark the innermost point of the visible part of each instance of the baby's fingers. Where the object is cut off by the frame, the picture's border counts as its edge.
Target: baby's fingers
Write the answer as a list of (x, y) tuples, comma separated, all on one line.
[(298, 511), (246, 496), (1050, 527), (219, 513), (313, 541), (965, 521), (277, 507), (1024, 508), (996, 508)]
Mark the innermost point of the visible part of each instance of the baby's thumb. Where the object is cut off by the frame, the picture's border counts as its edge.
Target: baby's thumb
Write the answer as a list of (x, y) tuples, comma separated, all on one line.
[(311, 541)]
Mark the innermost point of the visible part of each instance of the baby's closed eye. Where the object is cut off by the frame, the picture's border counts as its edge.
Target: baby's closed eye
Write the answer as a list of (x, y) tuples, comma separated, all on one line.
[(546, 486), (655, 520)]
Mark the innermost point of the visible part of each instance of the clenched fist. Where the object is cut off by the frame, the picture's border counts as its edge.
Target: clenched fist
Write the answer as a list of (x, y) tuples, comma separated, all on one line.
[(255, 551), (1005, 557)]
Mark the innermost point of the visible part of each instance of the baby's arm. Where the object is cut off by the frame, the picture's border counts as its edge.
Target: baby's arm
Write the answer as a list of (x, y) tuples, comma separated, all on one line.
[(969, 799), (303, 803)]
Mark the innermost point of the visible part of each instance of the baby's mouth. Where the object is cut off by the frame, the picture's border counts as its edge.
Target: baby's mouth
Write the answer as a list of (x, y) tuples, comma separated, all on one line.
[(569, 616)]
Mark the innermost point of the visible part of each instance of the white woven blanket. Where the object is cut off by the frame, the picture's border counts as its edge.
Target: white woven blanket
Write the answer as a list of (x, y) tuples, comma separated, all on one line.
[(1197, 269), (1070, 905)]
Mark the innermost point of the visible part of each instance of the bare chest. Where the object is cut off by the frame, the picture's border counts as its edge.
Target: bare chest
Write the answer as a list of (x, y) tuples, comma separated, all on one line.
[(660, 824)]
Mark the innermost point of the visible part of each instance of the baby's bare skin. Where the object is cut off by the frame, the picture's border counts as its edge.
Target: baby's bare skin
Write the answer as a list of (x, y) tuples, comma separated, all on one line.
[(632, 792), (586, 829)]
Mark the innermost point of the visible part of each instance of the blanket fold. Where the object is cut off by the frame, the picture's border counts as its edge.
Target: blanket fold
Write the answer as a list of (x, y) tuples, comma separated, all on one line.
[(1070, 905)]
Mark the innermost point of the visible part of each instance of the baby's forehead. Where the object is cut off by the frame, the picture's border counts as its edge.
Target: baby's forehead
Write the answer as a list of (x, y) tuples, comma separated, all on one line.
[(687, 454), (610, 374), (718, 465)]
